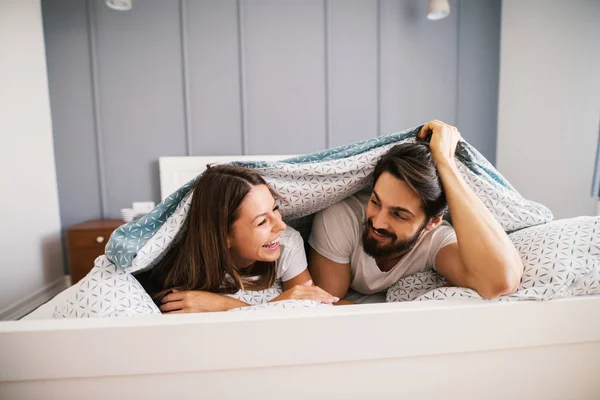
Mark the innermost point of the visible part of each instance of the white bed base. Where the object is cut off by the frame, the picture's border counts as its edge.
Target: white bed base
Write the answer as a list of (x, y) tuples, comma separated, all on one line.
[(433, 350), (466, 349)]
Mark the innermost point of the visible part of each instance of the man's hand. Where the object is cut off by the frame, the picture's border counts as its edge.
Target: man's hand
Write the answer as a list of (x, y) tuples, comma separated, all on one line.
[(192, 301), (444, 139)]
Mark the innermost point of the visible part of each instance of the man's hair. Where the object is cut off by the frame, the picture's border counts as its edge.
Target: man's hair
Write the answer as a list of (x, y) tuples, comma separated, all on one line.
[(412, 163)]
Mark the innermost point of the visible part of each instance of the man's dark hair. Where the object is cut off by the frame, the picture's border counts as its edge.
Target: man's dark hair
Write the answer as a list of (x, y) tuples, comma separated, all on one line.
[(412, 163)]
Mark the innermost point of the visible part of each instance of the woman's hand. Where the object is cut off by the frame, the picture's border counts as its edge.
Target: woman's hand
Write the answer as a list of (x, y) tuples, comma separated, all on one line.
[(307, 291), (192, 301)]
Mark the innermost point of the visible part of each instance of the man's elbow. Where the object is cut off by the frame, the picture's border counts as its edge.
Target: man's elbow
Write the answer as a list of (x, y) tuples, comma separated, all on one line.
[(500, 288), (505, 284)]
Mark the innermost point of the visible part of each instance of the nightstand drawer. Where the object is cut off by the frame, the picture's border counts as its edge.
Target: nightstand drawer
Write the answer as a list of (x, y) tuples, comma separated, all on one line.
[(89, 239)]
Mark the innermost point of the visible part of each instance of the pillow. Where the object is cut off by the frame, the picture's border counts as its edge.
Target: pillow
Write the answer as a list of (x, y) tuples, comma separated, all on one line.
[(106, 291), (284, 304), (561, 258), (257, 297)]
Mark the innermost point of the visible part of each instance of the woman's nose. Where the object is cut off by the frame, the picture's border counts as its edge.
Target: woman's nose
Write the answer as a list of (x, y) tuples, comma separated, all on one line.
[(279, 225)]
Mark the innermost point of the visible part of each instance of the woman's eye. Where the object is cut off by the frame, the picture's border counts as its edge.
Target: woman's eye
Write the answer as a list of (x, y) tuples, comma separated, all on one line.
[(276, 208), (374, 202), (264, 221)]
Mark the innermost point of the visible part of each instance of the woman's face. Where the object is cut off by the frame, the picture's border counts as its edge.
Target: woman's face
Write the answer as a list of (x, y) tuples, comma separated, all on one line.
[(255, 234)]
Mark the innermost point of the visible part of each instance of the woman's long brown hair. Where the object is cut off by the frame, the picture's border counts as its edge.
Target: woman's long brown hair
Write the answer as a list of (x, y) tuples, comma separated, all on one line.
[(200, 258)]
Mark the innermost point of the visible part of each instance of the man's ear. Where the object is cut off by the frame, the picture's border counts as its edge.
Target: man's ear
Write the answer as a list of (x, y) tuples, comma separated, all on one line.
[(433, 223)]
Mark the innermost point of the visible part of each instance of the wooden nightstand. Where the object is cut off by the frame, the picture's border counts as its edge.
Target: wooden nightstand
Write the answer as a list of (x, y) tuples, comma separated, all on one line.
[(85, 242)]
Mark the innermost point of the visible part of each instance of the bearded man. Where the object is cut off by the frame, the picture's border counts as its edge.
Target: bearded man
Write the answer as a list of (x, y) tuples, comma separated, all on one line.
[(368, 242)]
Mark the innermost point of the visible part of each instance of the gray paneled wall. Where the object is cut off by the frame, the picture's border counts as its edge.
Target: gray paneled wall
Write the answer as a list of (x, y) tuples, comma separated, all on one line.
[(208, 77)]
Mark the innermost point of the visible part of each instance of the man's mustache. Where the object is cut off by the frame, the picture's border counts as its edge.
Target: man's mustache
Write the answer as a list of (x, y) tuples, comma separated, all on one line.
[(381, 232)]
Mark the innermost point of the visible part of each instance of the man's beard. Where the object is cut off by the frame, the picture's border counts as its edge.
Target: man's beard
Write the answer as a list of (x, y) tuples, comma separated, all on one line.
[(372, 247)]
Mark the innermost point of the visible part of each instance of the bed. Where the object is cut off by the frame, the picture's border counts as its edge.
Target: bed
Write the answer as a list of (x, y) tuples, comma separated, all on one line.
[(458, 348)]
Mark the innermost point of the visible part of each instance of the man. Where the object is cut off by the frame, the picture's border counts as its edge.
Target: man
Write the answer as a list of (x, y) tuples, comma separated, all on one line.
[(369, 242)]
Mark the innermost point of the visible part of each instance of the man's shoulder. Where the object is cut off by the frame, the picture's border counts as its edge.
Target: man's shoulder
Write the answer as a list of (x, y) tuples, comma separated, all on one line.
[(352, 207), (440, 236)]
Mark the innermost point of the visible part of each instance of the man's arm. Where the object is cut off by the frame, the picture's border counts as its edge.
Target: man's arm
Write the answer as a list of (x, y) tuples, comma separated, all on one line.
[(331, 276), (483, 258)]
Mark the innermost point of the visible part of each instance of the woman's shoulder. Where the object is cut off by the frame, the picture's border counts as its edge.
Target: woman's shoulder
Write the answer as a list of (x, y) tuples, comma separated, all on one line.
[(290, 237), (292, 260)]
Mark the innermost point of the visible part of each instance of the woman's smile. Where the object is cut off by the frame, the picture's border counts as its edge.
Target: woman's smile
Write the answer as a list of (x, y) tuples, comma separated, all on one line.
[(272, 245)]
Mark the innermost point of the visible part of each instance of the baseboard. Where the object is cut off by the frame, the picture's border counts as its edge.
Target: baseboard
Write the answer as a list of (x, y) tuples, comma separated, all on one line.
[(33, 301)]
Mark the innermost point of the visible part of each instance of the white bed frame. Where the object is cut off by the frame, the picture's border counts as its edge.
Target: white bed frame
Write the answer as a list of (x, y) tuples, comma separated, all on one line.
[(435, 350)]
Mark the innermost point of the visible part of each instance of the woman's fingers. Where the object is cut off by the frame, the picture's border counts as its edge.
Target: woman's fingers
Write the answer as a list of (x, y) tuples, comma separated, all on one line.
[(176, 296), (326, 294), (171, 306), (315, 293)]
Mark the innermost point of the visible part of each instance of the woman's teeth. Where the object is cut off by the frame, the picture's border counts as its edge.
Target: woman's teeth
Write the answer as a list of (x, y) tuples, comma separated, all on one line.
[(272, 244)]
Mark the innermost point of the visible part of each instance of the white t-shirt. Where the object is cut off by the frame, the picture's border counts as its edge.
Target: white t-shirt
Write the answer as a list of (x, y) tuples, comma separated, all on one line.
[(292, 260), (337, 232)]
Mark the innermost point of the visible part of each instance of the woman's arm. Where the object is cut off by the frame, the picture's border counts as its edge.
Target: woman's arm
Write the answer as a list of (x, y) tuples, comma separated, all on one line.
[(191, 301)]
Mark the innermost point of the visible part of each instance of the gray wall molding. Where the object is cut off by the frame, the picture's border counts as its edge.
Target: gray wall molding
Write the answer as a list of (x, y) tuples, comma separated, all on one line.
[(97, 123), (185, 78)]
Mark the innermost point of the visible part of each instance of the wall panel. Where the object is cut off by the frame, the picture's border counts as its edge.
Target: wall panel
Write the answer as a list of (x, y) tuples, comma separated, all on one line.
[(214, 76), (352, 70), (419, 65), (141, 98), (285, 75)]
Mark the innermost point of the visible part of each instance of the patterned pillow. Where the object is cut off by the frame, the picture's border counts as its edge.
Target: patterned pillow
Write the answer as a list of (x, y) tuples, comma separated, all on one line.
[(284, 304), (106, 291), (256, 297), (561, 258)]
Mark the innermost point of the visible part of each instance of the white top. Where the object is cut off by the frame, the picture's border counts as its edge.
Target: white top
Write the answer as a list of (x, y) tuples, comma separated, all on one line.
[(292, 260), (336, 234)]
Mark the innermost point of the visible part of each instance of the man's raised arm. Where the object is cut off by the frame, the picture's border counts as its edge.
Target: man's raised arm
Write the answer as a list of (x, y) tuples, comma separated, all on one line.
[(483, 258)]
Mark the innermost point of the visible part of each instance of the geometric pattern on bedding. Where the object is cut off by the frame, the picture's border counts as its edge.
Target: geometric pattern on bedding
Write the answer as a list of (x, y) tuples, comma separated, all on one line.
[(561, 259), (257, 297), (284, 304), (106, 291)]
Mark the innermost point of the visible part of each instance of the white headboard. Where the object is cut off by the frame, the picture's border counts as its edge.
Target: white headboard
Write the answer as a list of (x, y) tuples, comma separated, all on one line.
[(176, 171)]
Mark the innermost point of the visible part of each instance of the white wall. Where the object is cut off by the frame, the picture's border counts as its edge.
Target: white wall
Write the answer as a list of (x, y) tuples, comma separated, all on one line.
[(549, 101), (30, 250)]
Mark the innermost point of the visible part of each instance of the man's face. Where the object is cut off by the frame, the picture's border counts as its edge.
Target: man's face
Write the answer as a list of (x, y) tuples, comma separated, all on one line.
[(395, 219)]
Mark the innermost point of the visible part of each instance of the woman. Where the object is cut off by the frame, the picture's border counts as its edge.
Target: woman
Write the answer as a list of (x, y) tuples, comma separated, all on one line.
[(235, 239)]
